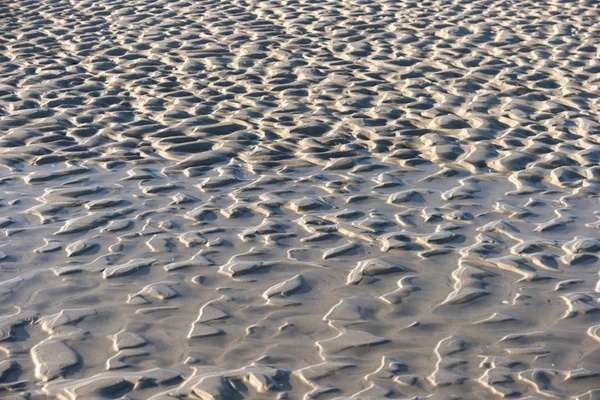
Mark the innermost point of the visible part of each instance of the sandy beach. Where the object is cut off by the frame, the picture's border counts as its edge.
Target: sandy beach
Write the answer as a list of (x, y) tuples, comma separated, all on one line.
[(299, 199)]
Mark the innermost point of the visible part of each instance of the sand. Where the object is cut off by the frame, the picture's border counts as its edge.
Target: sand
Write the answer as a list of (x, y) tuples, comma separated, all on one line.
[(299, 199)]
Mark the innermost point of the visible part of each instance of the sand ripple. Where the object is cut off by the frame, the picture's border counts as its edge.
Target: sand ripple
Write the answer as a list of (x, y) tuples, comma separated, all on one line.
[(299, 199)]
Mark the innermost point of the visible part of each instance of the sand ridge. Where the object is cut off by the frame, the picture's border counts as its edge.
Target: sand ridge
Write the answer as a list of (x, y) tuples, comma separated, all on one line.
[(299, 199)]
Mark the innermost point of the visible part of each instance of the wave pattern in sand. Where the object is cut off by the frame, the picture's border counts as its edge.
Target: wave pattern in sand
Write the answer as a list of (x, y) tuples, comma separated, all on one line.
[(299, 199)]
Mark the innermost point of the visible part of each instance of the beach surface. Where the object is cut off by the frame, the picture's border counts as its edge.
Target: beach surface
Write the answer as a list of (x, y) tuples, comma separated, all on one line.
[(299, 199)]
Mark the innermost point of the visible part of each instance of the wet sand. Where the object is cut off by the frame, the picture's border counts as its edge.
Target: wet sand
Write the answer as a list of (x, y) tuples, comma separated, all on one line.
[(299, 199)]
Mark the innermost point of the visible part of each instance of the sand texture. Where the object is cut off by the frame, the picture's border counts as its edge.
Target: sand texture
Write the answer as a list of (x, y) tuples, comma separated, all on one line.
[(299, 199)]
